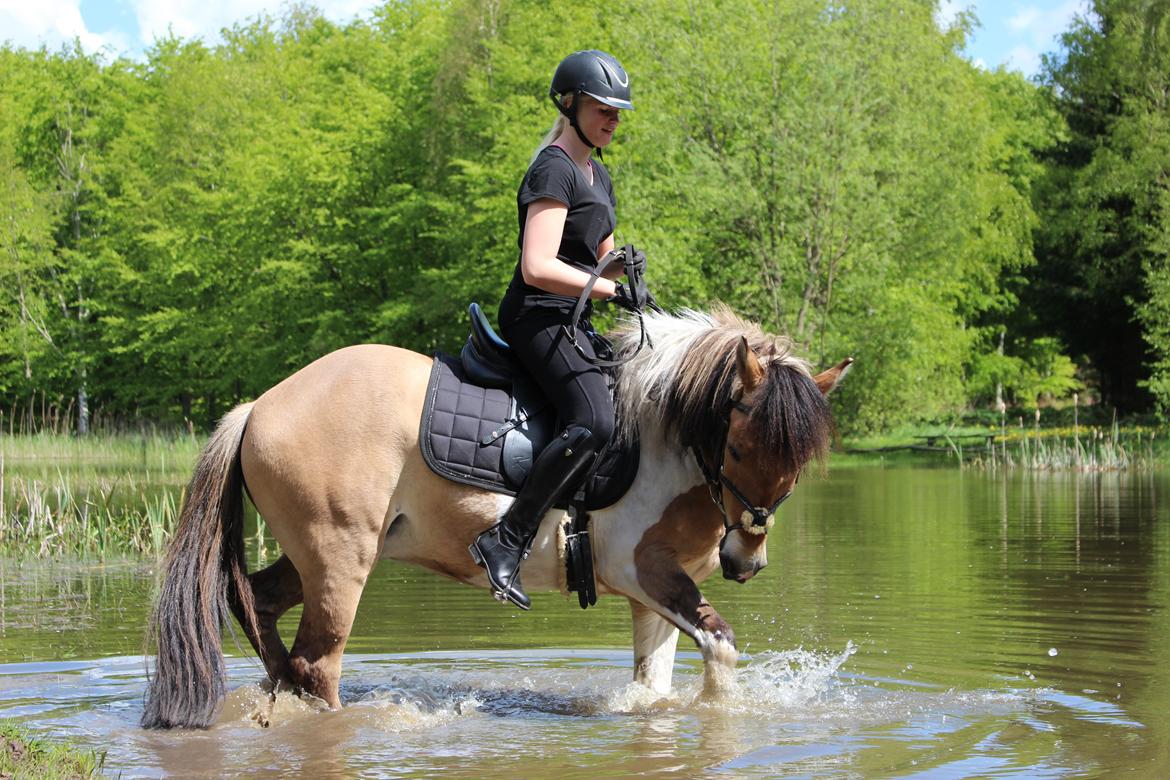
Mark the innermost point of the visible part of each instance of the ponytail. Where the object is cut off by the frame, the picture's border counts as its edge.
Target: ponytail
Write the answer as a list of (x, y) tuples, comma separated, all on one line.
[(559, 126)]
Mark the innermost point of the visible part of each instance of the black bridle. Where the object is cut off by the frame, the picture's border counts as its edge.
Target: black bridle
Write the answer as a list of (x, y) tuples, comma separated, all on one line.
[(761, 518)]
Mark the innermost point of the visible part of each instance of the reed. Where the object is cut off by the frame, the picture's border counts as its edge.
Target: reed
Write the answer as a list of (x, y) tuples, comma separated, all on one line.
[(98, 496), (1078, 448)]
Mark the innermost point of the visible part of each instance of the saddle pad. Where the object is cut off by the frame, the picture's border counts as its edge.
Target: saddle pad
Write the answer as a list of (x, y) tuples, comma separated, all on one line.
[(458, 420)]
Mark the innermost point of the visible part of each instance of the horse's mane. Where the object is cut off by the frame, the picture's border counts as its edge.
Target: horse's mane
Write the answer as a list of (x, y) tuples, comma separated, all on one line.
[(686, 383)]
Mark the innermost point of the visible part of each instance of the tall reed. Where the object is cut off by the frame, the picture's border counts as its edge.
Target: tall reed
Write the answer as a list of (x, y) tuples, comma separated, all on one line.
[(101, 495), (1084, 449)]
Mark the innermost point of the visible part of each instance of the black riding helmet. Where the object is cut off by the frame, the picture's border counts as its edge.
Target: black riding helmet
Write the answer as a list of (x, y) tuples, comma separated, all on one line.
[(594, 73)]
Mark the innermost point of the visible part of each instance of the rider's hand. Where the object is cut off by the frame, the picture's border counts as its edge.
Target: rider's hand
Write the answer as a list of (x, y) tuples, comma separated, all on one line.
[(635, 262), (613, 256), (630, 299)]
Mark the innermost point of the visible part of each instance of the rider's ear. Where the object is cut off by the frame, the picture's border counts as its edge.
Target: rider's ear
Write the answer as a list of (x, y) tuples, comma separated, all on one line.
[(828, 380), (747, 366)]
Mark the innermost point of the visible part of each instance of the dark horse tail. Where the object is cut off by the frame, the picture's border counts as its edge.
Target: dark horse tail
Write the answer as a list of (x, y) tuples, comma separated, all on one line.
[(204, 574)]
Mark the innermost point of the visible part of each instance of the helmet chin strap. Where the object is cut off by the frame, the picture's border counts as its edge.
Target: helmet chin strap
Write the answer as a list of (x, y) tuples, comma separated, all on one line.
[(571, 114)]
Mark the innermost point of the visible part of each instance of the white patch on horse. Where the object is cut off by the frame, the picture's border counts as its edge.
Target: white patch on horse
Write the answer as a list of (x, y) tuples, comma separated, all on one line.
[(503, 501), (617, 530)]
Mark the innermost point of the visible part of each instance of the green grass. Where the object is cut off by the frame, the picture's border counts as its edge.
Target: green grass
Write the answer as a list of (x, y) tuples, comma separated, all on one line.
[(103, 495), (120, 494), (23, 755)]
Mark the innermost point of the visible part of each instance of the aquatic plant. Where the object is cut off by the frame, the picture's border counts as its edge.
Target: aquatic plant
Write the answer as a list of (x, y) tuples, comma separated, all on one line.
[(1111, 448), (104, 495)]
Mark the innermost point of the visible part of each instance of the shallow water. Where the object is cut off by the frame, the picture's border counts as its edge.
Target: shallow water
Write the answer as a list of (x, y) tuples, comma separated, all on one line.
[(911, 623)]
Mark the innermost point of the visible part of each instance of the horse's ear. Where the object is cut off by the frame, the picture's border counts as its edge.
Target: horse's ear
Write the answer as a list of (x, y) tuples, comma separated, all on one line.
[(828, 380), (747, 366)]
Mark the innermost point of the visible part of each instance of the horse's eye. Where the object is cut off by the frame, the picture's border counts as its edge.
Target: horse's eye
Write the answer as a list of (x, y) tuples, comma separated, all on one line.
[(734, 452)]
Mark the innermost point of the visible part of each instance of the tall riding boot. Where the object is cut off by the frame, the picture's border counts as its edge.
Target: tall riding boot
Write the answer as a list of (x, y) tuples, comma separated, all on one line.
[(558, 469)]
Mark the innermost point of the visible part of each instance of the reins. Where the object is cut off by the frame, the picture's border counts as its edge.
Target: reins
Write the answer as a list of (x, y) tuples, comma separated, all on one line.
[(635, 281), (754, 519)]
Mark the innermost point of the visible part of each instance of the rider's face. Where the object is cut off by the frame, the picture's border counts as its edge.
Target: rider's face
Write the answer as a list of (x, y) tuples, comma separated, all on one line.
[(598, 121)]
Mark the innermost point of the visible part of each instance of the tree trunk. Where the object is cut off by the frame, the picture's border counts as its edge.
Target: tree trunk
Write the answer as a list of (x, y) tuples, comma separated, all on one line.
[(999, 381), (82, 408)]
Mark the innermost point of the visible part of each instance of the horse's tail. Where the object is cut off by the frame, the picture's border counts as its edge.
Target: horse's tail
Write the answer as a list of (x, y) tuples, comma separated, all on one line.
[(204, 572)]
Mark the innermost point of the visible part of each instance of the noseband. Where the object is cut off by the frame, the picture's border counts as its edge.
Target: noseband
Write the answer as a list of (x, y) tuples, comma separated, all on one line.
[(754, 519)]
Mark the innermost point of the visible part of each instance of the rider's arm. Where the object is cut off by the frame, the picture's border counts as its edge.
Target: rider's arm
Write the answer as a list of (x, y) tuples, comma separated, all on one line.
[(538, 260)]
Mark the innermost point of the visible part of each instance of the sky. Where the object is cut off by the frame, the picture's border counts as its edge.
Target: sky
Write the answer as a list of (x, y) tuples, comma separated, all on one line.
[(1012, 33)]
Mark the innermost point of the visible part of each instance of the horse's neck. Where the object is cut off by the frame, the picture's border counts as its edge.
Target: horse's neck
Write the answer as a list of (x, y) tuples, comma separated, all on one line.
[(665, 471)]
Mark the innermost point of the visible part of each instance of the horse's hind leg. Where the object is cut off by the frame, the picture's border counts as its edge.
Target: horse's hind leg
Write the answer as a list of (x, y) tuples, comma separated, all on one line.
[(331, 599), (276, 589)]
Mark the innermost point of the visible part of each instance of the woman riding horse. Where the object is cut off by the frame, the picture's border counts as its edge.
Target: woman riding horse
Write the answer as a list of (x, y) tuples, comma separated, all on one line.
[(566, 206), (726, 418)]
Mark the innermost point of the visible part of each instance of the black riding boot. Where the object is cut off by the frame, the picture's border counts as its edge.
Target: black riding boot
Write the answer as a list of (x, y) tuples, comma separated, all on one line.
[(558, 469)]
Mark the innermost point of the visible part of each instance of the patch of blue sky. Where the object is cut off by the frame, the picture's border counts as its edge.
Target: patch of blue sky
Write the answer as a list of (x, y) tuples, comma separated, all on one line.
[(1011, 33), (1014, 33)]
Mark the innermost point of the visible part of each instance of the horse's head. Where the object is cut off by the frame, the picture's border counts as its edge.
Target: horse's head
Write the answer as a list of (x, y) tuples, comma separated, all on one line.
[(750, 411), (778, 419)]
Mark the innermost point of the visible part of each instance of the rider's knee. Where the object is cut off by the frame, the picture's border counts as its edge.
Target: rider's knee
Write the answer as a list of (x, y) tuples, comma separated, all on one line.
[(600, 428)]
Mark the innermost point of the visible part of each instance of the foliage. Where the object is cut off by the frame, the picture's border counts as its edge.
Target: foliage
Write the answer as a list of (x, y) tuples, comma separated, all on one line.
[(180, 234), (99, 495), (1105, 200)]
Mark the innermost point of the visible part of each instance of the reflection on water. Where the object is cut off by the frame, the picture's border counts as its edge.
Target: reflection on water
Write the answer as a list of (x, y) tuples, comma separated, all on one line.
[(911, 623)]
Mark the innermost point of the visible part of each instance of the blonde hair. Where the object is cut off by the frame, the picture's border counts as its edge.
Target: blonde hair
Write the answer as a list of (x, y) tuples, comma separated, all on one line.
[(559, 126)]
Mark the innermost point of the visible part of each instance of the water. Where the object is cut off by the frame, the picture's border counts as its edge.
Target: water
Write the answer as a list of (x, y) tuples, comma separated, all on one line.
[(905, 627)]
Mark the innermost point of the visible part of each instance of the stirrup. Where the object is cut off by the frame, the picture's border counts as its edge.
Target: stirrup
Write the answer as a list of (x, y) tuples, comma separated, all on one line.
[(501, 594), (505, 599)]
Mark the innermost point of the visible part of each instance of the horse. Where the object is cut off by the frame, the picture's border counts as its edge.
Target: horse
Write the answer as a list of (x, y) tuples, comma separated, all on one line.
[(726, 417)]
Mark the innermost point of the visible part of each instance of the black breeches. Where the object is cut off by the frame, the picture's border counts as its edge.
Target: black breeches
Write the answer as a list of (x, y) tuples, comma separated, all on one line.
[(576, 388)]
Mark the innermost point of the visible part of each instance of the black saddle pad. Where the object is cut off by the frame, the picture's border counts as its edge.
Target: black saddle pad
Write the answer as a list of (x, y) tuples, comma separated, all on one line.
[(470, 433)]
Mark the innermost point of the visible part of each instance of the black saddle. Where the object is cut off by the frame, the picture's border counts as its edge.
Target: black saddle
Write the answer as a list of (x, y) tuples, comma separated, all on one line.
[(484, 421)]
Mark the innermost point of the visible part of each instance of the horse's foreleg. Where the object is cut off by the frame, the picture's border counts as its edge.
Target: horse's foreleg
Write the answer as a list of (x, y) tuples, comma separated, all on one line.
[(276, 589), (670, 591), (655, 639)]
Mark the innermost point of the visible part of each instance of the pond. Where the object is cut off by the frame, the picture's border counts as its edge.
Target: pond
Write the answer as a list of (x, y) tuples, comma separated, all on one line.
[(912, 622)]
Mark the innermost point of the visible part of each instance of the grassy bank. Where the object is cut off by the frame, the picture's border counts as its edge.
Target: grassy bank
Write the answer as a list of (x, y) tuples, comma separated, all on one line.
[(99, 495), (24, 756), (994, 442)]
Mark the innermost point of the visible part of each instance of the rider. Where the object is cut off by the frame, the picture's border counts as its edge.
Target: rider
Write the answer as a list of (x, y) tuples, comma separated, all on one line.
[(566, 213)]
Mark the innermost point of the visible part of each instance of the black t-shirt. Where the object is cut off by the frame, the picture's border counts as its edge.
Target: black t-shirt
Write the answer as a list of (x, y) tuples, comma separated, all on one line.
[(590, 219)]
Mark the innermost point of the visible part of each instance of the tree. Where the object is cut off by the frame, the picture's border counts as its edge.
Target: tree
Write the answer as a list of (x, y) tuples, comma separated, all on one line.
[(1102, 247)]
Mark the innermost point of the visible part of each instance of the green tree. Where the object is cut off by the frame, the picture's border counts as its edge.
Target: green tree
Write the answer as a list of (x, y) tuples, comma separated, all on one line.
[(1102, 247)]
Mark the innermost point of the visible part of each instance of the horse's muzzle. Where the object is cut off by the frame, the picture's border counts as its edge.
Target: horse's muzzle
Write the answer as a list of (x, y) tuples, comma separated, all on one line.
[(734, 570)]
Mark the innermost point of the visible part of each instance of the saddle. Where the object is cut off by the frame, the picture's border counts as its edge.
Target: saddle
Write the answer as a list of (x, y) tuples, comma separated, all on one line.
[(484, 421)]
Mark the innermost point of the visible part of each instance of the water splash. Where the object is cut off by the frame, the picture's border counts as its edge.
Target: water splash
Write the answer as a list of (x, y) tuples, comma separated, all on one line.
[(256, 706), (790, 679)]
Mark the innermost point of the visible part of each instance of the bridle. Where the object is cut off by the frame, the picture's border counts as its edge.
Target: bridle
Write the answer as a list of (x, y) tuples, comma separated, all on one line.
[(754, 519)]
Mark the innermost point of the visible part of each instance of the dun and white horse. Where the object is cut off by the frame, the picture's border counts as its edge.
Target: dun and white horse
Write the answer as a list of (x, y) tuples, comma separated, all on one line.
[(726, 417)]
